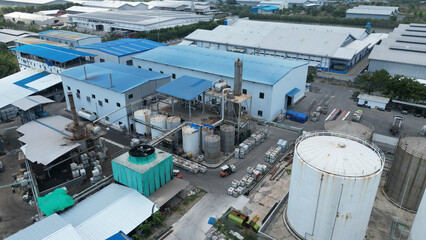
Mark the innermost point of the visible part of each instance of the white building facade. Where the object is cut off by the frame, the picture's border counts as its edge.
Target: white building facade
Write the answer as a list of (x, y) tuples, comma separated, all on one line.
[(72, 39), (269, 82)]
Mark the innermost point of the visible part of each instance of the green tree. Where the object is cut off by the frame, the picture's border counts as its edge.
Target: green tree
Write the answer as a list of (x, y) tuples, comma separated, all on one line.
[(8, 62)]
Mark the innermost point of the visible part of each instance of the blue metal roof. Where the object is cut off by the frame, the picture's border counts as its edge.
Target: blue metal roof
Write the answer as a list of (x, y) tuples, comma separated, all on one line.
[(258, 69), (269, 8), (186, 87), (74, 36), (119, 236), (124, 77), (293, 92), (51, 52), (124, 47)]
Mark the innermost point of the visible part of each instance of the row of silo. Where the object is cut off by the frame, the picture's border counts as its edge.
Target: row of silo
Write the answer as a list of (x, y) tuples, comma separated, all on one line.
[(333, 185)]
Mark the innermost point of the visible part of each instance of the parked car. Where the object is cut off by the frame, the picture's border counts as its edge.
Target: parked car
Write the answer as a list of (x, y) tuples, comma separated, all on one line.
[(404, 111), (417, 113)]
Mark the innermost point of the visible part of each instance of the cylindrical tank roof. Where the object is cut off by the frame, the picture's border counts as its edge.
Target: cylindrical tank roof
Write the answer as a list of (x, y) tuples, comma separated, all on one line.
[(142, 112), (414, 145), (158, 118), (173, 119), (339, 154), (350, 128)]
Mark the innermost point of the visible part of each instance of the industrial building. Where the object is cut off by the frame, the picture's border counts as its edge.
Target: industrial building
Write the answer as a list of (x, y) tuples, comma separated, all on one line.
[(23, 3), (198, 7), (112, 209), (9, 36), (72, 39), (141, 20), (81, 9), (274, 84), (373, 101), (102, 88), (372, 12), (266, 9), (119, 51), (32, 40), (117, 5), (49, 58), (335, 49), (31, 18), (402, 53), (329, 198)]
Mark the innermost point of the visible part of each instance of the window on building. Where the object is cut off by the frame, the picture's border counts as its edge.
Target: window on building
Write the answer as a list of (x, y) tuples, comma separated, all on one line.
[(106, 100), (261, 95), (78, 91), (101, 60), (150, 69), (107, 118), (88, 98), (259, 113), (78, 95), (130, 96), (129, 63), (119, 123), (93, 96), (161, 72), (173, 76), (244, 91), (139, 67), (118, 104), (100, 103)]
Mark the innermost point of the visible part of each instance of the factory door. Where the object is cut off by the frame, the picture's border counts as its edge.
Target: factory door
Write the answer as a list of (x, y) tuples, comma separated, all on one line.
[(99, 27), (288, 101)]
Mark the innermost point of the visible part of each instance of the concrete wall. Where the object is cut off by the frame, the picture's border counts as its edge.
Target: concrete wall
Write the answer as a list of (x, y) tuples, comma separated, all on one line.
[(408, 70), (267, 105)]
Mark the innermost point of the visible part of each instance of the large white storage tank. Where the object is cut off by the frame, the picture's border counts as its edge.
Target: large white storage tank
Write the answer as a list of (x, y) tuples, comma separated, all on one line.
[(172, 123), (158, 121), (142, 115), (334, 182), (418, 230), (191, 138)]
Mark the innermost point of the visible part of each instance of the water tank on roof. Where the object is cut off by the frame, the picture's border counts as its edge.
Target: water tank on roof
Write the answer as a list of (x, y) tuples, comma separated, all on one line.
[(334, 181)]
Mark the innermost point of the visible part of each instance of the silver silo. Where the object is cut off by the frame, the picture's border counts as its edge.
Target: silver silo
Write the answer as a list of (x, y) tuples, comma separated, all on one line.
[(212, 148), (227, 136), (406, 180)]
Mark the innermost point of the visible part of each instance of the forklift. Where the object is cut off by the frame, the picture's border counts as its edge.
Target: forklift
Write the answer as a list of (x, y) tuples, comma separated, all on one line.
[(226, 170)]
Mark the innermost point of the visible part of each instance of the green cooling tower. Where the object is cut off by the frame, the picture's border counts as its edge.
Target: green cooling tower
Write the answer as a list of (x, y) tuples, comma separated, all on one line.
[(143, 168)]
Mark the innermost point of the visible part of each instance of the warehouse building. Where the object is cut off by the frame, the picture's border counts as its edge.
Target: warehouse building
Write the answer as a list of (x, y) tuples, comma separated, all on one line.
[(143, 20), (267, 9), (49, 58), (402, 53), (72, 39), (23, 3), (31, 40), (336, 49), (9, 36), (102, 88), (119, 51), (81, 9), (274, 84), (30, 18), (372, 12), (117, 5)]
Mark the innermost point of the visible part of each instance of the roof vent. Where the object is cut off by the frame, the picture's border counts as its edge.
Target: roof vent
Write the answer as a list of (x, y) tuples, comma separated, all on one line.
[(142, 154)]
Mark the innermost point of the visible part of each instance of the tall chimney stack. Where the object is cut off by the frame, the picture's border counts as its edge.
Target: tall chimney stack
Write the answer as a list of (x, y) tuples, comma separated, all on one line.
[(238, 77), (77, 129)]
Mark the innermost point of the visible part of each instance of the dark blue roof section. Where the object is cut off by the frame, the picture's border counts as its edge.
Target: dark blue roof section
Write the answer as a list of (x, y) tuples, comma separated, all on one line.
[(23, 83), (51, 52), (265, 70), (186, 87), (124, 77), (293, 92), (119, 236), (124, 47)]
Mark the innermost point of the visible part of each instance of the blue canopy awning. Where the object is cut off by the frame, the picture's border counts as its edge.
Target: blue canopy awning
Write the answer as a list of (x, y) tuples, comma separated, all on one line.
[(185, 87), (293, 92)]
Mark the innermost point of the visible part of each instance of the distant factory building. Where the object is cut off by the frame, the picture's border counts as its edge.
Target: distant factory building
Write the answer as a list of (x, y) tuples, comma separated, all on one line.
[(9, 36), (198, 7), (372, 12), (119, 51), (23, 3), (282, 3), (30, 18), (117, 5), (136, 20), (264, 9), (274, 84), (72, 39), (32, 40), (402, 53), (102, 88), (336, 49), (82, 9), (49, 58)]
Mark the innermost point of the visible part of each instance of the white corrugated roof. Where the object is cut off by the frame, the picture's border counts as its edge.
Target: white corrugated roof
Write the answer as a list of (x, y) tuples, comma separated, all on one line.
[(30, 16), (108, 211), (50, 228), (46, 139), (30, 102), (81, 9), (373, 98), (12, 89), (357, 46), (339, 156)]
